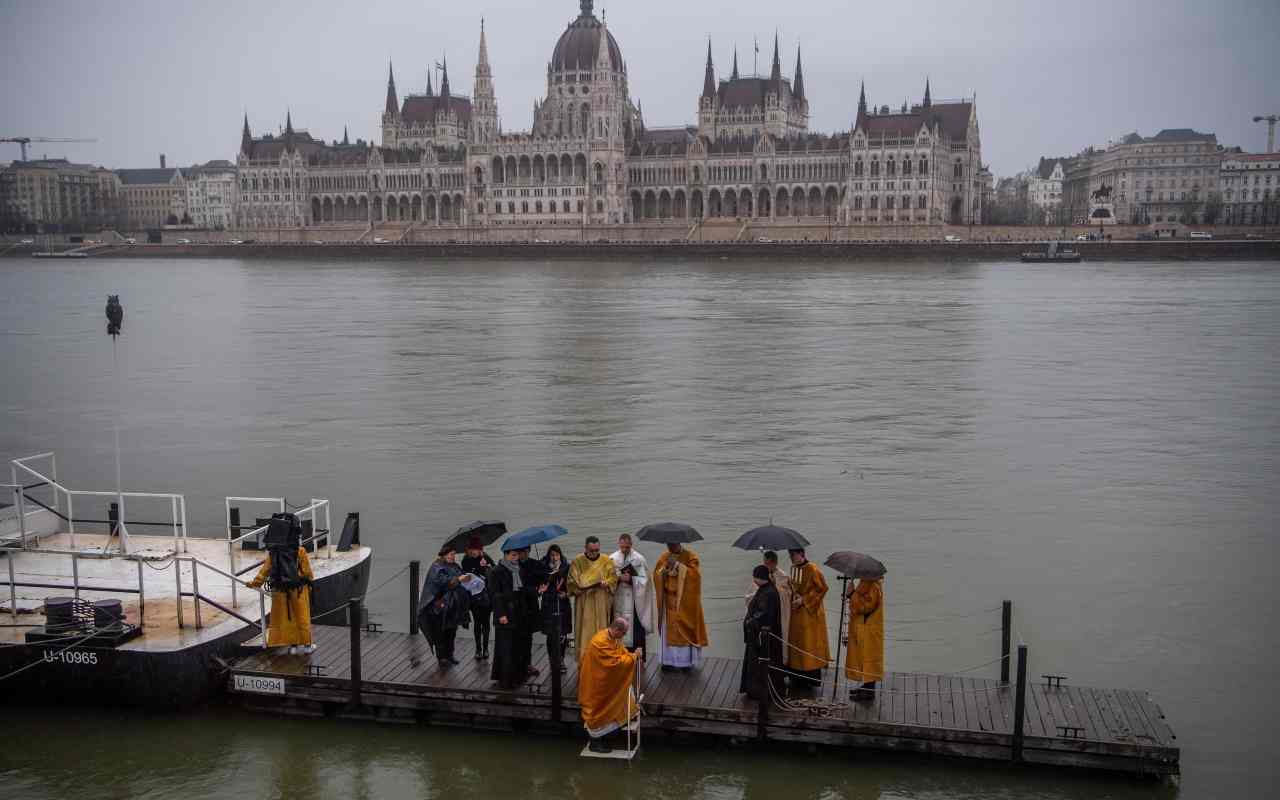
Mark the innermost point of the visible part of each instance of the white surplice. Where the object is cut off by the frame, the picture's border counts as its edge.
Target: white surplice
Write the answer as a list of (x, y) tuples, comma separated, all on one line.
[(634, 599)]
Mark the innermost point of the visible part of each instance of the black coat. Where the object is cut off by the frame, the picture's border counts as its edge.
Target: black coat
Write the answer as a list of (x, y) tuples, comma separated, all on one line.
[(551, 599), (474, 566), (760, 631)]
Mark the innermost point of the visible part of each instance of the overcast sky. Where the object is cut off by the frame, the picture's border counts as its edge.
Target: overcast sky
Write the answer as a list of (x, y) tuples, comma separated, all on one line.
[(145, 77)]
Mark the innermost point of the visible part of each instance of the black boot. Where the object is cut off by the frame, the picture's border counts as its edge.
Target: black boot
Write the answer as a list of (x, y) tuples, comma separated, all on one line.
[(599, 746)]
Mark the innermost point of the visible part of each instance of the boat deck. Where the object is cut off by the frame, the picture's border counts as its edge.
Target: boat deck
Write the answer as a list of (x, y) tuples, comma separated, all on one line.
[(1070, 726), (59, 563)]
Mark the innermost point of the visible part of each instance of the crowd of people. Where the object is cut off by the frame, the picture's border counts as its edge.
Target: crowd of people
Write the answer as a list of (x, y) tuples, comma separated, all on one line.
[(609, 606)]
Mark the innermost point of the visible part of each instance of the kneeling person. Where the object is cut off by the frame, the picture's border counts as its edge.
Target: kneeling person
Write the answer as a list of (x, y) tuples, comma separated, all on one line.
[(606, 674)]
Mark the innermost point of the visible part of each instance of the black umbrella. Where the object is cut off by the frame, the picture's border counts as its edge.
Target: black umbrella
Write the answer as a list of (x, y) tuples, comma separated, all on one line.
[(856, 565), (771, 537), (486, 532), (669, 533)]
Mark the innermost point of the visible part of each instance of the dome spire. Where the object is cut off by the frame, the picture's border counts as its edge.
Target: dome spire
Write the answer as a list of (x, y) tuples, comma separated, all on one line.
[(587, 8)]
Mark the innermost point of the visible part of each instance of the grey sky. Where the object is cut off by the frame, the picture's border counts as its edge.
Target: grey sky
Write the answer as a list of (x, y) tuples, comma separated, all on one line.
[(151, 76)]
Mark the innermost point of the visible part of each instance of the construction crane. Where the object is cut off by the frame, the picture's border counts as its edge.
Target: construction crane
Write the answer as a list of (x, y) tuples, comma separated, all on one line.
[(23, 141), (1271, 120)]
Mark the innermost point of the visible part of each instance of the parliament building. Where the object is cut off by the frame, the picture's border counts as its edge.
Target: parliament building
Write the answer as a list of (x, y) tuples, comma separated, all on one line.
[(588, 158)]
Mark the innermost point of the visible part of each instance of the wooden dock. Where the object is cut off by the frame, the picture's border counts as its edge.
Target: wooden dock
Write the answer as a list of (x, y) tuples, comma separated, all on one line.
[(398, 680)]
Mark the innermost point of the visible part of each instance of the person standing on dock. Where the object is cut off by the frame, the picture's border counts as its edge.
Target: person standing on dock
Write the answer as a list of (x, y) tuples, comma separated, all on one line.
[(865, 661), (592, 581), (607, 673), (444, 605), (557, 611), (633, 601), (677, 586), (783, 584), (512, 641), (760, 632), (533, 573), (288, 576), (807, 651), (478, 563)]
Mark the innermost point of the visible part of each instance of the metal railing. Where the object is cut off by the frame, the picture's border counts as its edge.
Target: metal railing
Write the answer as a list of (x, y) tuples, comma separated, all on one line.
[(19, 467), (309, 512)]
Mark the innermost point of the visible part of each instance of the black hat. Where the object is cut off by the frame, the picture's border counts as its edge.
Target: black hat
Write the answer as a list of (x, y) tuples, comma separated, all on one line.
[(761, 573)]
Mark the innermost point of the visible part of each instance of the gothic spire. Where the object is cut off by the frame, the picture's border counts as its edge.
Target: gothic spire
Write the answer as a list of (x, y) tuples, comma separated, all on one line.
[(393, 104), (482, 65), (346, 140), (798, 88), (776, 74), (709, 80), (734, 75), (444, 79), (862, 107), (928, 101), (246, 138), (288, 131)]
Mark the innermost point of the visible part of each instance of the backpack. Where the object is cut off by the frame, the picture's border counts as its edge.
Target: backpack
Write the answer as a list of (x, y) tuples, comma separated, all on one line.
[(284, 533)]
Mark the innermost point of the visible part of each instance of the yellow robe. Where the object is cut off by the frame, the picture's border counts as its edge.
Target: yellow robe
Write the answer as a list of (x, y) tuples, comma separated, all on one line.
[(290, 611), (605, 677), (591, 585), (680, 600), (808, 634), (865, 661)]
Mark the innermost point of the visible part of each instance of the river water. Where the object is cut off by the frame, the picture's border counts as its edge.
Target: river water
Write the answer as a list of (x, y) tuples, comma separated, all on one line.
[(1096, 443)]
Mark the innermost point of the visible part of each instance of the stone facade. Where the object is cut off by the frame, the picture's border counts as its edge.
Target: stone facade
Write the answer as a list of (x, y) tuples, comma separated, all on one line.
[(211, 193), (1251, 188), (1169, 177), (150, 197), (588, 157), (58, 192)]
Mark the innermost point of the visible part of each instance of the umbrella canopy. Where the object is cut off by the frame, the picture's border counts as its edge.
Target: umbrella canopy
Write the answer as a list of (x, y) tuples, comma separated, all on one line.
[(771, 537), (856, 565), (530, 536), (669, 533), (486, 532)]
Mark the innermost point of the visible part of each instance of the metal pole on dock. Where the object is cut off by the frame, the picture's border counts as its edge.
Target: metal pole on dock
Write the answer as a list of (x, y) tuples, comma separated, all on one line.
[(142, 599), (353, 617), (1006, 633), (763, 678), (195, 591), (415, 570), (555, 658), (844, 603), (177, 580), (13, 589), (1020, 703)]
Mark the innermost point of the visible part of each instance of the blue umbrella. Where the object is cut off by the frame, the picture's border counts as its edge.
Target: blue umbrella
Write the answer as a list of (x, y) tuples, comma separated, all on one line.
[(530, 536)]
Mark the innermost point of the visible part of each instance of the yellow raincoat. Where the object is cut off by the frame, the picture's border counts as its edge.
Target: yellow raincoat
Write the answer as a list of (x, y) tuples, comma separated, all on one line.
[(808, 635), (290, 611), (606, 674), (865, 661)]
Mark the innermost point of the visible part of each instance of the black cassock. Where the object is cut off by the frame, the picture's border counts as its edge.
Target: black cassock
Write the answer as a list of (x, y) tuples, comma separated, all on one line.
[(512, 641), (760, 631)]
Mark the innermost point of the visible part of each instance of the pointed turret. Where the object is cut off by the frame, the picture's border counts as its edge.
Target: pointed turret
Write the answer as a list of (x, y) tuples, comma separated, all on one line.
[(246, 138), (928, 100), (797, 88), (288, 132), (484, 116), (603, 65), (430, 89), (862, 107), (709, 79), (733, 76), (482, 63), (444, 78), (775, 74), (393, 104), (346, 140)]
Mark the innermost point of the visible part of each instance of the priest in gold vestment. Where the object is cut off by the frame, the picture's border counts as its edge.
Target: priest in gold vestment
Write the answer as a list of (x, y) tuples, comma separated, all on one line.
[(592, 581), (677, 586), (807, 651), (606, 674)]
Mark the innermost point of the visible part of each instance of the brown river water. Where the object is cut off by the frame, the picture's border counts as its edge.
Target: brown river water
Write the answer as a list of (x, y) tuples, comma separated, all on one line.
[(1097, 443)]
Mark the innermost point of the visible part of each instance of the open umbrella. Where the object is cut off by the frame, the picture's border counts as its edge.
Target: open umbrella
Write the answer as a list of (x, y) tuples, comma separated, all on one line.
[(771, 537), (669, 533), (856, 565), (486, 532), (530, 536)]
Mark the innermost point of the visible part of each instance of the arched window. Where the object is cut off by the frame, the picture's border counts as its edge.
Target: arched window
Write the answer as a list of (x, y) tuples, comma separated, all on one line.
[(891, 168), (599, 172), (906, 166), (875, 202), (875, 168), (888, 203), (924, 166), (586, 120), (922, 201), (857, 204), (857, 168), (764, 172)]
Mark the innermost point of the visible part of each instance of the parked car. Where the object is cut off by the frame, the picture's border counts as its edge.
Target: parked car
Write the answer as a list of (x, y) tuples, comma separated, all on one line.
[(951, 237), (27, 241), (380, 240), (131, 240), (1252, 236), (1201, 235), (236, 241), (1084, 237), (184, 241), (764, 240), (1146, 236)]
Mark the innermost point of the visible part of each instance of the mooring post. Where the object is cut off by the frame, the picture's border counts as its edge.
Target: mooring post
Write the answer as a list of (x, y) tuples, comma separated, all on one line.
[(353, 617), (1006, 633), (1020, 703), (763, 666), (415, 569), (555, 658)]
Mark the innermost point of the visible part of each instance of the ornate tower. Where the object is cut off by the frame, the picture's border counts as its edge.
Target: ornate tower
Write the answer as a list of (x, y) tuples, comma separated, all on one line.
[(775, 113), (391, 115), (800, 103), (707, 103), (246, 138), (484, 110)]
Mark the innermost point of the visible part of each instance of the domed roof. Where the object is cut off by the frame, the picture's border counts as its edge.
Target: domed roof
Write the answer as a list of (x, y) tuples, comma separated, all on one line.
[(579, 45)]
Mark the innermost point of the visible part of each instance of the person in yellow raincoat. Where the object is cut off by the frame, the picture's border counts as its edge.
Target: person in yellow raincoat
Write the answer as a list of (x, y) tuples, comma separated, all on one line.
[(606, 674), (807, 651), (290, 609), (865, 661)]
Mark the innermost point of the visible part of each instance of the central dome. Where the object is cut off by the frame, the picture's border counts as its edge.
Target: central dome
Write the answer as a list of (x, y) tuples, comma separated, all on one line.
[(579, 45)]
